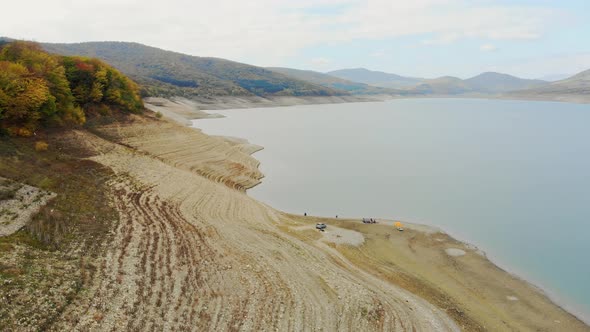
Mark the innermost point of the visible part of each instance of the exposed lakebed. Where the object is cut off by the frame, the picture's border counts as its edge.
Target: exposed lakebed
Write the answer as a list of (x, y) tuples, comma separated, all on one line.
[(512, 177)]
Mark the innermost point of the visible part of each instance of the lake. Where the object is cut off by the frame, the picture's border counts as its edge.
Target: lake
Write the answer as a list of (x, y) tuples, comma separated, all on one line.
[(511, 177)]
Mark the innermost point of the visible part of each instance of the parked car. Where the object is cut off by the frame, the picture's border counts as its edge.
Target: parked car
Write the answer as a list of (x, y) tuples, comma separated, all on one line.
[(320, 226)]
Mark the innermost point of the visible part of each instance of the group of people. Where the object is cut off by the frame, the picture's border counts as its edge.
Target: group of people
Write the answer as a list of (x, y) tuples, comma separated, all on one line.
[(365, 220), (305, 215)]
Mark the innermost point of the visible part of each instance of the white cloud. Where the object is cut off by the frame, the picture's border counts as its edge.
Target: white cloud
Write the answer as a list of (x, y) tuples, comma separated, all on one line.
[(265, 31), (447, 20), (320, 61), (488, 48)]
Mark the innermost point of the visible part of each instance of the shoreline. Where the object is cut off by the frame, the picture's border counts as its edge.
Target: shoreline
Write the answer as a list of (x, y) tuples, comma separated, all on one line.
[(184, 110), (429, 229), (511, 270), (557, 300), (181, 109)]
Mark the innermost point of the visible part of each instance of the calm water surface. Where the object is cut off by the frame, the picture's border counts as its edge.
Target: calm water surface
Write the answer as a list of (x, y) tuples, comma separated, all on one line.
[(511, 177)]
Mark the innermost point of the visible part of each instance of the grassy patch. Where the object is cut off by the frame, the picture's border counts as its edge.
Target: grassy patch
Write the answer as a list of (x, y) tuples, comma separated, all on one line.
[(44, 266), (81, 210), (7, 193), (22, 238), (379, 257), (8, 189)]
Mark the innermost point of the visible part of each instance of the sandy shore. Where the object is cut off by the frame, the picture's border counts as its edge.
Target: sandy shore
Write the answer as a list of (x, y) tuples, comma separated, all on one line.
[(183, 110), (571, 98), (192, 251)]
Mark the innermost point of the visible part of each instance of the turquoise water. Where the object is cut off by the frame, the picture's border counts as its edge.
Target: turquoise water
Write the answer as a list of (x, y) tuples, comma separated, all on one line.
[(511, 177)]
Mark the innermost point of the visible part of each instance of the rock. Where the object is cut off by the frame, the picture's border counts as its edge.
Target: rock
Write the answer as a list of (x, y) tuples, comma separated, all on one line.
[(455, 252)]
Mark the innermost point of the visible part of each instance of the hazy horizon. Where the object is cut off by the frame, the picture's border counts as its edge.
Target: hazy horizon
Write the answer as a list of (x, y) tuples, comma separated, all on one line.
[(425, 38)]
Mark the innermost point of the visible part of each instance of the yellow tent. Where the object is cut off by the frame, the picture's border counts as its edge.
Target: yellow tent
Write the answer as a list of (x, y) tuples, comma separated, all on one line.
[(398, 225)]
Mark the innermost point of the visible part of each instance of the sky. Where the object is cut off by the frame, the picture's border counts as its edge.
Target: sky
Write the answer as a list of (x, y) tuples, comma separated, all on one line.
[(420, 38)]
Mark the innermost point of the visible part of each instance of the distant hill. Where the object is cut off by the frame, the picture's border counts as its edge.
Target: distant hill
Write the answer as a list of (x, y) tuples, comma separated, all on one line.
[(485, 83), (575, 88), (376, 78), (491, 82), (335, 82), (446, 85), (166, 73)]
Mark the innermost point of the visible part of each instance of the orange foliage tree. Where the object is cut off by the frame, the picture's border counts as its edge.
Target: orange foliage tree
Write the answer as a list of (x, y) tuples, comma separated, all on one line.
[(40, 89)]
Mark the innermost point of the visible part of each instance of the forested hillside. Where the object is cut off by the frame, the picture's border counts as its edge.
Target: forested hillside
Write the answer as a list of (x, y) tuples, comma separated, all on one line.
[(166, 73), (38, 89)]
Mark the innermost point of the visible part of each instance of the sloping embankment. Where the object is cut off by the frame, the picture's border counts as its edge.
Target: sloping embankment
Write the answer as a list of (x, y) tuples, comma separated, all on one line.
[(196, 254), (193, 252)]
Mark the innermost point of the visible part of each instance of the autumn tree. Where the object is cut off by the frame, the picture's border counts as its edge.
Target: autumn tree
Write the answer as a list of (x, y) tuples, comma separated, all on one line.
[(24, 98), (40, 89), (93, 82)]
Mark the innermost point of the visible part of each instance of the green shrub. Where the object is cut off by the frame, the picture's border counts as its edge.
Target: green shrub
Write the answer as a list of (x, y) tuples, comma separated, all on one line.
[(41, 146), (7, 193)]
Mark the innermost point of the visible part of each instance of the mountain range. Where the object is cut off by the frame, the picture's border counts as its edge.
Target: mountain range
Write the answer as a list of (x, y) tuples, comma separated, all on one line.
[(167, 73), (376, 78), (485, 83)]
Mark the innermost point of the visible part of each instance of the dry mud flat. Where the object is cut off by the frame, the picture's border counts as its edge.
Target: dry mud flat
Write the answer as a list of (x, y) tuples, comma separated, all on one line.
[(183, 110), (193, 252)]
